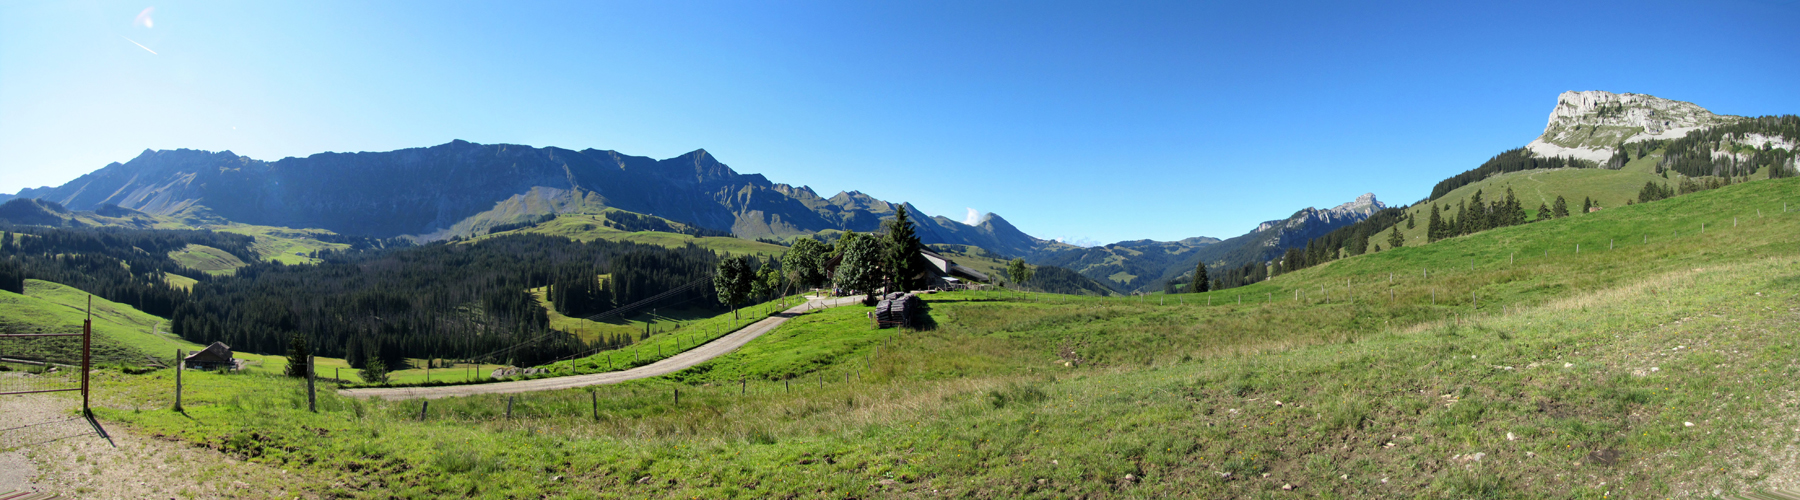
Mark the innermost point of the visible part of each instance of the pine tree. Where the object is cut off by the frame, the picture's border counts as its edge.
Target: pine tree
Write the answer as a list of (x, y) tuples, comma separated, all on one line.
[(1561, 209), (1515, 213), (1477, 217), (374, 372), (1409, 222), (1543, 212), (1395, 240), (296, 356), (1587, 204), (902, 259), (1434, 229), (1203, 283), (1463, 224)]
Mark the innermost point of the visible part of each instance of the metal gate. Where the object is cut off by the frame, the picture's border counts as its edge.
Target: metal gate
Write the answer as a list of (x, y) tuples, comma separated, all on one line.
[(44, 361)]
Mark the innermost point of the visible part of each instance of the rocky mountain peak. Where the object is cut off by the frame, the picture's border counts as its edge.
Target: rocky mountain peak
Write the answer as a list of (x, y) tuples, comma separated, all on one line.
[(1589, 124), (1347, 213)]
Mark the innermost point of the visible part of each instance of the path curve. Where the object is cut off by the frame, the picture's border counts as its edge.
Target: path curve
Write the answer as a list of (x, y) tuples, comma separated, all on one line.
[(681, 361)]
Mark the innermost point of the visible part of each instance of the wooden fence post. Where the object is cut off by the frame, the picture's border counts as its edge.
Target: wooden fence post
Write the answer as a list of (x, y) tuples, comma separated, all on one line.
[(423, 404), (677, 395), (180, 363), (509, 402), (312, 397)]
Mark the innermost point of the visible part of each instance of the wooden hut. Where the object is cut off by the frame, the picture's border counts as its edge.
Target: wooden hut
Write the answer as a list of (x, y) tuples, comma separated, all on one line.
[(214, 357)]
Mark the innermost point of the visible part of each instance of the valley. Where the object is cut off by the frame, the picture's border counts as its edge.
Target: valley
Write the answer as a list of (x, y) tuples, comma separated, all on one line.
[(671, 328)]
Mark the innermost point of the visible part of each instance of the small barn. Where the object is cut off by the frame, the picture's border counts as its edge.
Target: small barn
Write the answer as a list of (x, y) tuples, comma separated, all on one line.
[(944, 274), (938, 273), (214, 357)]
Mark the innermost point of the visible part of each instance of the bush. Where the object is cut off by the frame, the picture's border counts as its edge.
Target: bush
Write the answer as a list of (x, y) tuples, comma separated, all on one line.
[(375, 371)]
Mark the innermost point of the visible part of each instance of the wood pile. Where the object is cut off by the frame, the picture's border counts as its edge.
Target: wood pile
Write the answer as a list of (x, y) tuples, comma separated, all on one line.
[(897, 309)]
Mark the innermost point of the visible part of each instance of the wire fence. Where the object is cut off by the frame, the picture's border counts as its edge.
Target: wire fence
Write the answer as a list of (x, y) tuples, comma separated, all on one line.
[(40, 362)]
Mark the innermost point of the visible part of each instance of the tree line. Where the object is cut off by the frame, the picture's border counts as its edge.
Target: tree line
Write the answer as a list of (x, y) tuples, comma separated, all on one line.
[(1692, 155), (128, 266), (1514, 160), (443, 300)]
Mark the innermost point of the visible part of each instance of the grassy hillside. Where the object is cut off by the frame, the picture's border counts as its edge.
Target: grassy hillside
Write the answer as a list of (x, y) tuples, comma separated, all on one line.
[(211, 260), (277, 244), (1503, 364), (973, 257), (121, 333), (589, 227), (1608, 188)]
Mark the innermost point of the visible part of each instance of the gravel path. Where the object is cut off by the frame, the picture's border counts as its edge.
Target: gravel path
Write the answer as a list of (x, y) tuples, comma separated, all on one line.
[(678, 362), (47, 448)]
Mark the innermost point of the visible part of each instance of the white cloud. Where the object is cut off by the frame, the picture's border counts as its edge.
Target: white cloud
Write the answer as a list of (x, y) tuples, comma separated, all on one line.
[(973, 218), (143, 19)]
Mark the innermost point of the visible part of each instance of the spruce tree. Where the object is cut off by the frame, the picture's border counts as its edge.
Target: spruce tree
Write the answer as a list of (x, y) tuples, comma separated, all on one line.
[(1515, 213), (374, 372), (1434, 229), (1543, 212), (1587, 204), (1464, 224), (1409, 222), (296, 356), (1561, 209), (902, 245), (1477, 216), (1395, 240), (1203, 283)]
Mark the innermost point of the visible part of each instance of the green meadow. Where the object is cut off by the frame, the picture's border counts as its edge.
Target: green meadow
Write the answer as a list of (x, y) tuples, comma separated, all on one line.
[(589, 227), (1626, 353)]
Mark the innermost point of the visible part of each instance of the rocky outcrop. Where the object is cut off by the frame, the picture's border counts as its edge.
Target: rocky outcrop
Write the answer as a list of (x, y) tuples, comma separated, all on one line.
[(1589, 124)]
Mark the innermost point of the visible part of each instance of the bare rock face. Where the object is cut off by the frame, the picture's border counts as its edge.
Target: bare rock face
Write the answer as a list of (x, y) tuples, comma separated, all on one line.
[(1589, 124), (1334, 217)]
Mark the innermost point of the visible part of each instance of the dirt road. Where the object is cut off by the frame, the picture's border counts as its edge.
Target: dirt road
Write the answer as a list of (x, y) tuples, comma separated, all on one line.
[(47, 448), (672, 364)]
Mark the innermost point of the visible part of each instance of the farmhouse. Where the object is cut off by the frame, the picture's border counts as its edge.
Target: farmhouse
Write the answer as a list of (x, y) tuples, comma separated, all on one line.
[(214, 357), (939, 272)]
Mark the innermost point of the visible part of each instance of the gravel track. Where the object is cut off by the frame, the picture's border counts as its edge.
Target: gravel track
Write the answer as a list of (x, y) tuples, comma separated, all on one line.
[(672, 364), (47, 447)]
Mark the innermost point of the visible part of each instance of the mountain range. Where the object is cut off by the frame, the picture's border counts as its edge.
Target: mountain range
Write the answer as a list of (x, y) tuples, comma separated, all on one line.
[(461, 189)]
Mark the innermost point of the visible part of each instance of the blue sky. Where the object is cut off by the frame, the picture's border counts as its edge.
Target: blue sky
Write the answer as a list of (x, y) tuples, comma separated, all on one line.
[(1101, 121)]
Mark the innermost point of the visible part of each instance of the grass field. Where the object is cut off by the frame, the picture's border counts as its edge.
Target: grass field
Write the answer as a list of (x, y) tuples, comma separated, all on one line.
[(1608, 188), (179, 281), (1656, 361), (211, 260), (588, 227)]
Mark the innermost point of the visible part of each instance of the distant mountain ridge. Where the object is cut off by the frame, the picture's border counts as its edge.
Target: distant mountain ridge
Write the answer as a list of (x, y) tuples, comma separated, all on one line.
[(1144, 265), (462, 188)]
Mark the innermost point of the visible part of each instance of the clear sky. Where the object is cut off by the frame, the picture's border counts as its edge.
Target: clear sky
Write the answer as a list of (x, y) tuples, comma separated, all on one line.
[(1098, 121)]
